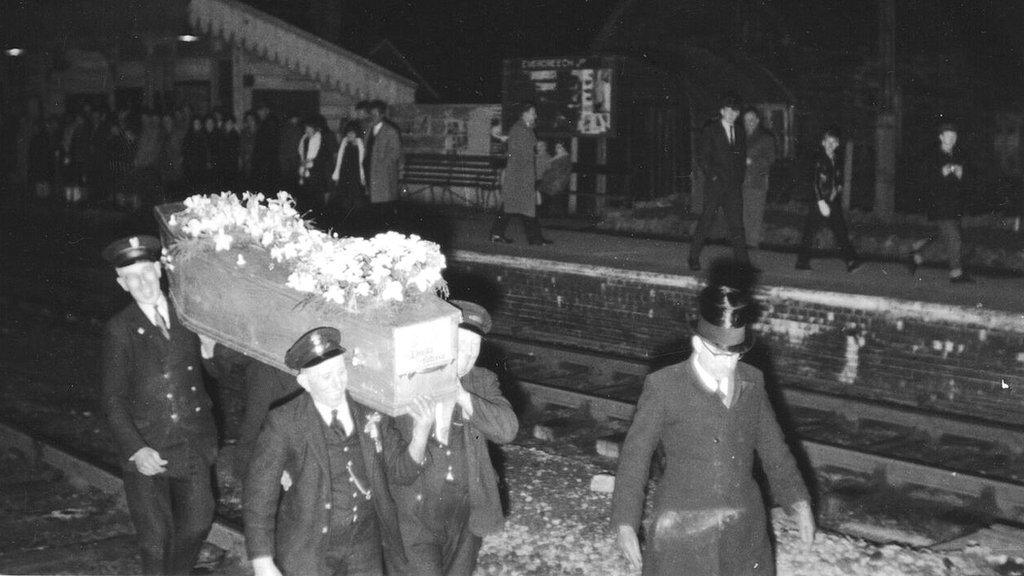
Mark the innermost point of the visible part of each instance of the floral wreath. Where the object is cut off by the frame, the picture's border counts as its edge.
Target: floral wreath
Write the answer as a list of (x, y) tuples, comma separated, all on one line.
[(350, 271)]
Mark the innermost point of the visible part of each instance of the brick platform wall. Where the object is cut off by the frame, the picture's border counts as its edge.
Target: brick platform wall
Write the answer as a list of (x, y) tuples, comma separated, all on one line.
[(962, 361)]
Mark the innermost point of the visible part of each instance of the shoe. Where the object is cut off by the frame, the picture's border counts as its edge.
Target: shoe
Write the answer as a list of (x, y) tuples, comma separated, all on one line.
[(853, 265), (694, 264), (961, 279), (802, 265), (495, 238), (542, 242)]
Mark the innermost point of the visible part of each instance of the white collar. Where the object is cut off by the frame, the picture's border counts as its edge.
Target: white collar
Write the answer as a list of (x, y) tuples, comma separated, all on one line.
[(161, 305), (344, 414), (708, 381), (377, 127)]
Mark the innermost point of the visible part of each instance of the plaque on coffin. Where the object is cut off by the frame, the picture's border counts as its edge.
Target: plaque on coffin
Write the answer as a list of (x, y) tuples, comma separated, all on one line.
[(395, 352)]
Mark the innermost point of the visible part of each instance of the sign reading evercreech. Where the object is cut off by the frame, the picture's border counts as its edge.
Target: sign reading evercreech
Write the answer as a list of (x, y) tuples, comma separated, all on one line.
[(573, 96)]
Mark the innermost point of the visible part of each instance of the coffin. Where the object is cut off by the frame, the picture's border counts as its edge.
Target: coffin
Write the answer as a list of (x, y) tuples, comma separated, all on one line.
[(396, 352)]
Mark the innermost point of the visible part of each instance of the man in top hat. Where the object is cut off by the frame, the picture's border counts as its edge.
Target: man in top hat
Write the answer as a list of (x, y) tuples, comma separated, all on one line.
[(440, 472), (711, 414), (159, 413), (336, 517)]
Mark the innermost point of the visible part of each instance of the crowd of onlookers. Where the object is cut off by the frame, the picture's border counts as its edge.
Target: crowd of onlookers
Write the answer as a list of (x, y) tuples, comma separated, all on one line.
[(134, 159)]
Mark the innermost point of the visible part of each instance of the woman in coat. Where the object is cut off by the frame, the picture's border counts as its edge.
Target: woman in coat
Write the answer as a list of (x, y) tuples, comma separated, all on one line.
[(711, 415), (349, 172), (518, 189), (316, 159)]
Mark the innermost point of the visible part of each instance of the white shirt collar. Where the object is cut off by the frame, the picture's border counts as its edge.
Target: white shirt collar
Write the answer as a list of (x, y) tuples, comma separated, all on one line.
[(377, 127), (708, 381), (344, 414), (148, 310)]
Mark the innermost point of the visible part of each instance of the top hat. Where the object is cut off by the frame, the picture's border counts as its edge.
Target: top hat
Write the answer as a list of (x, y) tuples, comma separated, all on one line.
[(128, 251), (474, 317), (724, 318), (314, 347)]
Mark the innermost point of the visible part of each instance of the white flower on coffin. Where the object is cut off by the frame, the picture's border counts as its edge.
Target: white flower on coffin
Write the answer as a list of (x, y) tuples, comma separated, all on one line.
[(392, 291), (222, 241)]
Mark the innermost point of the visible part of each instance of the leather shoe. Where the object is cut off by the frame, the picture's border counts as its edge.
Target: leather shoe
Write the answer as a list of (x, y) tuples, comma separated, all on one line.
[(694, 264), (495, 238), (961, 279), (853, 265)]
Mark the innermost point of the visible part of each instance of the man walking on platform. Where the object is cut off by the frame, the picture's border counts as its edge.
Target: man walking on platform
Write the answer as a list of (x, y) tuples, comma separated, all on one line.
[(440, 471), (336, 516), (159, 413), (722, 161)]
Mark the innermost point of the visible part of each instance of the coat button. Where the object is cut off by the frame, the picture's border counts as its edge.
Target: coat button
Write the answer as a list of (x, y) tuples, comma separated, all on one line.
[(193, 388), (324, 530), (327, 506), (419, 497), (174, 417), (169, 395), (198, 408), (354, 495), (167, 375), (716, 440), (345, 449), (189, 368)]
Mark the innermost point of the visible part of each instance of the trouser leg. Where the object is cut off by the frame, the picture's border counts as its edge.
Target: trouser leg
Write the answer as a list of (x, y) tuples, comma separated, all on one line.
[(811, 225), (837, 221), (950, 232), (534, 235), (461, 552), (500, 224), (149, 503), (707, 218), (755, 198), (193, 506), (733, 205)]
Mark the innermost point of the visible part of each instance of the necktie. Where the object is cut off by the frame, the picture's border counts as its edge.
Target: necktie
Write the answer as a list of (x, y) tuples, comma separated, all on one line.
[(335, 423), (732, 139), (160, 323)]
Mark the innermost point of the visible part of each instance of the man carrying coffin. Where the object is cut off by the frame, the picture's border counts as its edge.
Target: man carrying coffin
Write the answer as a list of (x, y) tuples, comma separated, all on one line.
[(336, 517), (440, 471), (159, 414)]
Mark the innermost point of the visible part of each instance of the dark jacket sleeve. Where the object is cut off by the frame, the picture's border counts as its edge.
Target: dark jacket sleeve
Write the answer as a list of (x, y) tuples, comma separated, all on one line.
[(635, 457), (492, 413), (787, 486), (401, 469), (263, 489), (116, 386)]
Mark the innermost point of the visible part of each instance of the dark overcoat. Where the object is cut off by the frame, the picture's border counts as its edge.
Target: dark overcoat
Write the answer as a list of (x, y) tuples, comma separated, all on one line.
[(492, 419), (944, 194), (153, 391), (293, 527), (518, 187), (722, 163), (708, 515)]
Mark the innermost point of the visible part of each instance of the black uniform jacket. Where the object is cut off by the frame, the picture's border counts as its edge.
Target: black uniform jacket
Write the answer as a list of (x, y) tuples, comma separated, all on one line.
[(723, 164), (293, 533), (153, 391), (492, 419)]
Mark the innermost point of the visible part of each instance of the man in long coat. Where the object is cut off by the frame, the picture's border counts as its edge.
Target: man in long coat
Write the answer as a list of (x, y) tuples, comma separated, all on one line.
[(336, 517), (440, 471), (519, 184), (159, 413), (384, 154), (723, 161)]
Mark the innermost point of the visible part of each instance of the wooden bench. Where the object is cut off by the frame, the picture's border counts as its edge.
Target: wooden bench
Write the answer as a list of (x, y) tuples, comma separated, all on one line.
[(443, 173)]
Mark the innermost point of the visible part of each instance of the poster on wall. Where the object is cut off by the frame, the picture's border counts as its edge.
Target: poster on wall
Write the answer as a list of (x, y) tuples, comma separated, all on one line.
[(447, 128), (573, 96)]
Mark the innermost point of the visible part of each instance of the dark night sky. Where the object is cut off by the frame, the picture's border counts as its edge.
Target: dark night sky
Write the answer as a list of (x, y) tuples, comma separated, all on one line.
[(459, 44)]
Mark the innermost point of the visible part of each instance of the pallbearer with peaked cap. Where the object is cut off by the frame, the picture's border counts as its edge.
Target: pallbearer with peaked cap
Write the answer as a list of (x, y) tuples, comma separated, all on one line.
[(336, 516), (440, 471), (712, 410), (159, 412)]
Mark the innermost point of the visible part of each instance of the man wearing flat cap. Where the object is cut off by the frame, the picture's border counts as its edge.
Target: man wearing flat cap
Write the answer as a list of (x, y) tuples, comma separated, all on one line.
[(711, 414), (336, 517), (159, 413), (440, 471)]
